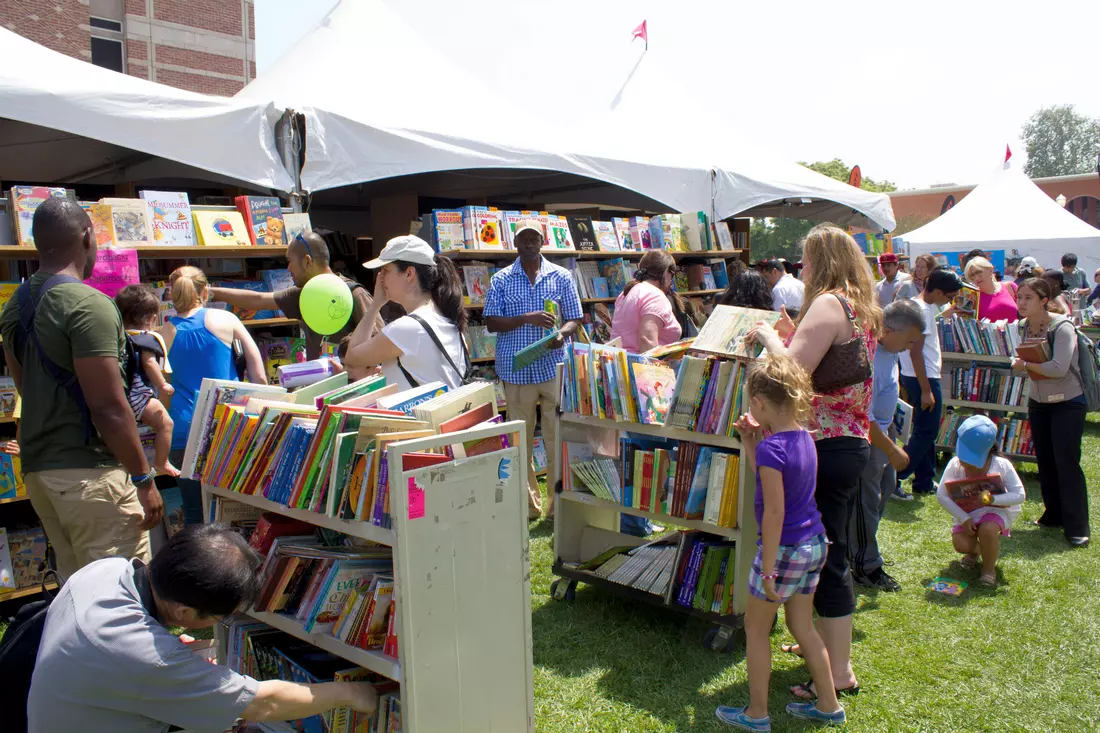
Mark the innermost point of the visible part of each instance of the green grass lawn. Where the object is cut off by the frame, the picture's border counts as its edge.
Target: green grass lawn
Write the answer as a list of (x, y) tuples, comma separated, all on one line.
[(1024, 656)]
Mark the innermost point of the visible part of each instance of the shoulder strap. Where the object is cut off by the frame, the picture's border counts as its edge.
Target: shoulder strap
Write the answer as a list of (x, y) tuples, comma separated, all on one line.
[(848, 312), (462, 373), (28, 307)]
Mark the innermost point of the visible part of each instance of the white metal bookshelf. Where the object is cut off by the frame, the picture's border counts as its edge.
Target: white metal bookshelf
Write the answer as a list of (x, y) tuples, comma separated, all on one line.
[(958, 360), (464, 659), (586, 525)]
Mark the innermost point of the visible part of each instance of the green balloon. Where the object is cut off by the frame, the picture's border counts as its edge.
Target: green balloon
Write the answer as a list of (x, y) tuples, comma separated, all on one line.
[(326, 304)]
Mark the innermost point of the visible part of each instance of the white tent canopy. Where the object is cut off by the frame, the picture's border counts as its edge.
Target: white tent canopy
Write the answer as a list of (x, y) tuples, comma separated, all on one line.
[(382, 100), (1010, 212), (65, 120)]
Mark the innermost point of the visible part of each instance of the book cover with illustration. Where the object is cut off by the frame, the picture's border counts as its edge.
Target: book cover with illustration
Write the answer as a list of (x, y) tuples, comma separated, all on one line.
[(973, 493), (653, 385), (9, 397), (614, 271), (131, 220), (622, 234), (7, 573), (725, 330), (173, 510), (947, 586), (584, 233), (477, 283), (27, 548), (695, 228), (278, 352), (606, 238), (966, 302), (718, 271), (102, 224), (23, 201), (487, 226), (447, 224), (263, 216), (903, 421), (171, 212), (10, 478), (722, 234), (558, 235), (639, 232), (221, 229), (296, 224)]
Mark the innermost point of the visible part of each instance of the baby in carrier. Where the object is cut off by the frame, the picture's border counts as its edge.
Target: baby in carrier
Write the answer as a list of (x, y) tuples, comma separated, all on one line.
[(146, 360)]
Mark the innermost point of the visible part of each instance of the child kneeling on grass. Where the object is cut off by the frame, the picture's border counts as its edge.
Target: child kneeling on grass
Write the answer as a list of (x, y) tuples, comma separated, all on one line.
[(792, 544), (139, 309), (977, 534)]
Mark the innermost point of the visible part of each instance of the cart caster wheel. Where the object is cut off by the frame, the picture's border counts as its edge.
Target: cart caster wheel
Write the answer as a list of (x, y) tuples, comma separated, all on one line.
[(720, 639), (563, 590)]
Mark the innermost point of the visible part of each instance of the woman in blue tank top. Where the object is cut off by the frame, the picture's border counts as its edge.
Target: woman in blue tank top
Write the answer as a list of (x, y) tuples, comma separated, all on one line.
[(200, 345)]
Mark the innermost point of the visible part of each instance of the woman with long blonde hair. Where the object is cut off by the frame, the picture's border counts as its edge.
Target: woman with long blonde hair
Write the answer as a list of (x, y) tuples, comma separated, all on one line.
[(199, 342), (840, 317)]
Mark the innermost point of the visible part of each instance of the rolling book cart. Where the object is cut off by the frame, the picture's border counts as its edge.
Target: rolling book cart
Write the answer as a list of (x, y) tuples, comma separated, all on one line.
[(461, 585), (587, 526)]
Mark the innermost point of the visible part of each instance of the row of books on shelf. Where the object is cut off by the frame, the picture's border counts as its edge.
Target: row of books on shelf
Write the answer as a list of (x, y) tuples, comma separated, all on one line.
[(675, 478), (984, 384), (264, 653), (22, 558), (876, 244), (487, 228), (972, 336), (691, 569), (323, 448), (1013, 434), (163, 218)]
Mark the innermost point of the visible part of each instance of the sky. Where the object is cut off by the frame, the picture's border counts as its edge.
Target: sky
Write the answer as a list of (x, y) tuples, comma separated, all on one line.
[(918, 92)]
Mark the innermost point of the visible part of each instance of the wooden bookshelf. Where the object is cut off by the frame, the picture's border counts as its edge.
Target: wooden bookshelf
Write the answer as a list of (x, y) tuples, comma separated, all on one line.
[(587, 301), (986, 358), (484, 360), (11, 595), (5, 420), (370, 659), (983, 405), (1015, 456), (268, 322), (10, 252), (510, 254), (656, 431), (14, 499), (584, 498)]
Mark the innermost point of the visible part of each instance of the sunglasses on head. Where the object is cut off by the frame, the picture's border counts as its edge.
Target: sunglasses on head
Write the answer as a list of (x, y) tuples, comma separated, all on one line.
[(301, 239)]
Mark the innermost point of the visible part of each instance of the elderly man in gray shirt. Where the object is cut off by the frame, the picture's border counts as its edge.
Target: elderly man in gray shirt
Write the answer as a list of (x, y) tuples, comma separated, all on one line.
[(107, 664)]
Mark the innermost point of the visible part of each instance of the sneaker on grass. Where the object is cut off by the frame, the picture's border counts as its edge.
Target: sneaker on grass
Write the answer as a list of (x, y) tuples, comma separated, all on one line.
[(737, 718), (877, 578), (809, 711), (901, 494)]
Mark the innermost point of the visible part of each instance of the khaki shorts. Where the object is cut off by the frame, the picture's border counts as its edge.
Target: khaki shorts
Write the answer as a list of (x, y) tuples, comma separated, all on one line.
[(88, 514)]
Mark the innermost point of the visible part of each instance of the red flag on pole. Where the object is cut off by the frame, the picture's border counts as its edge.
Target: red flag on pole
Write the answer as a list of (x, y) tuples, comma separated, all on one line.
[(855, 178), (643, 33), (1008, 153)]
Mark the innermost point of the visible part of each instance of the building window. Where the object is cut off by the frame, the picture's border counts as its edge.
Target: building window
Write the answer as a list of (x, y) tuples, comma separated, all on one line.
[(104, 24), (107, 53)]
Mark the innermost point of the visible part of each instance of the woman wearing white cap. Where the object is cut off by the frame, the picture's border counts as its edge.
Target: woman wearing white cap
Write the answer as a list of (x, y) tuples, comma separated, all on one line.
[(427, 345)]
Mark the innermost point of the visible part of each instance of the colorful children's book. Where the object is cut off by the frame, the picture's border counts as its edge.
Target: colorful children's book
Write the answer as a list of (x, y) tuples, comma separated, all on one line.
[(27, 548), (614, 271), (527, 356), (173, 510), (653, 384), (622, 234), (600, 287), (606, 238), (558, 235), (23, 200), (102, 224), (131, 220), (9, 476), (696, 231), (947, 586), (486, 228), (220, 229), (966, 302), (295, 224), (263, 216), (971, 494), (584, 233), (448, 229), (639, 232), (903, 421), (725, 330), (171, 212), (477, 283), (7, 573), (725, 239)]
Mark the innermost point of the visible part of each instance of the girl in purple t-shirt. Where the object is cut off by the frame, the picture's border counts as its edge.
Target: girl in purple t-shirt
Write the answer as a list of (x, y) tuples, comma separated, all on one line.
[(792, 545)]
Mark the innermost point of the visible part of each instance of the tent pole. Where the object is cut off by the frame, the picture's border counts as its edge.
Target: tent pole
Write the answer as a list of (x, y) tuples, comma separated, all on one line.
[(286, 142)]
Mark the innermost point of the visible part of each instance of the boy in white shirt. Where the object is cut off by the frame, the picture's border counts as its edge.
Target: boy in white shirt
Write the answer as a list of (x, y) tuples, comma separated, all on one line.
[(920, 376)]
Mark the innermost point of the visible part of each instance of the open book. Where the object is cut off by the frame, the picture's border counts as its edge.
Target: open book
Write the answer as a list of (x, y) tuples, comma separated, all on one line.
[(725, 330)]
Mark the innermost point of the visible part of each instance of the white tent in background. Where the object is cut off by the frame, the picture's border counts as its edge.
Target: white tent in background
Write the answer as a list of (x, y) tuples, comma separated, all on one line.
[(65, 120), (1010, 212), (383, 99)]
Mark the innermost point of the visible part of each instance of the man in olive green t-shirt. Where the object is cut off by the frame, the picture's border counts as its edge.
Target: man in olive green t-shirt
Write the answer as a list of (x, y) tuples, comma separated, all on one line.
[(84, 497), (307, 256)]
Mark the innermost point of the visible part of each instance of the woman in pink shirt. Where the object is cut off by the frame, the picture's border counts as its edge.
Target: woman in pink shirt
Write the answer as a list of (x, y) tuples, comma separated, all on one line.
[(996, 300), (644, 318)]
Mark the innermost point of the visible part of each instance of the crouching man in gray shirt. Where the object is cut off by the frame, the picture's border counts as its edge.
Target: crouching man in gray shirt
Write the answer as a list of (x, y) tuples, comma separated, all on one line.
[(107, 664)]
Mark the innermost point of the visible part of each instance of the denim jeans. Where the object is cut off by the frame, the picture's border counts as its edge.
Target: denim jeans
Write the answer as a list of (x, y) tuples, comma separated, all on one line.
[(922, 443)]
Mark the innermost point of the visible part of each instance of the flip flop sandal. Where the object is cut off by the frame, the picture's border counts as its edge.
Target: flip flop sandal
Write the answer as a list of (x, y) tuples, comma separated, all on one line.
[(805, 691), (969, 561), (988, 580), (791, 649)]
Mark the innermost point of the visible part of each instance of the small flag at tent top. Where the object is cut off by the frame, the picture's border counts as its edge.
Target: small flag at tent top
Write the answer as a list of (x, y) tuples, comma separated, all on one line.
[(1008, 154), (643, 33)]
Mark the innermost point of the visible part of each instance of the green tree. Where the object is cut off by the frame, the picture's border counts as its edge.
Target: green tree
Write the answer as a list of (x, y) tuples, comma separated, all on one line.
[(838, 170), (1060, 142), (778, 238)]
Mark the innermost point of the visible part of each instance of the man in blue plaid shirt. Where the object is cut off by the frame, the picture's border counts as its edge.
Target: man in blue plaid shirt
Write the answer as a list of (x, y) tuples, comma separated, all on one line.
[(515, 308)]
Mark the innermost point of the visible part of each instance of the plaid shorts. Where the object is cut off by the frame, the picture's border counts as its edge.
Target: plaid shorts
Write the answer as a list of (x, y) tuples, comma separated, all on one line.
[(798, 567)]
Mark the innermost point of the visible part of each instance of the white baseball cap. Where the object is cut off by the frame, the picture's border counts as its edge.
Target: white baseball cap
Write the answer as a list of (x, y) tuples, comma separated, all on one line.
[(533, 225), (407, 248), (1029, 262)]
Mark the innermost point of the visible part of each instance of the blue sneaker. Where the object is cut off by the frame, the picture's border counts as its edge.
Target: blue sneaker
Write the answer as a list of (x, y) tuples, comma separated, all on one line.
[(809, 711), (737, 718)]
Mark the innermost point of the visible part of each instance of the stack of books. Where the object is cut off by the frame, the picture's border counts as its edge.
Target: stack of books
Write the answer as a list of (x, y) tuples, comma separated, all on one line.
[(1013, 434), (972, 336), (984, 384)]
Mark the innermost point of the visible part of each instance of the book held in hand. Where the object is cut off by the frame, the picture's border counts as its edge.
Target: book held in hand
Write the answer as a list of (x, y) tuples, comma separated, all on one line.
[(971, 494), (1034, 351), (527, 356), (903, 421), (727, 327)]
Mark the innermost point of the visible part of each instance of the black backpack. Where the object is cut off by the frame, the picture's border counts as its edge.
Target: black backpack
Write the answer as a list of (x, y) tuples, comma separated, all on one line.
[(18, 654)]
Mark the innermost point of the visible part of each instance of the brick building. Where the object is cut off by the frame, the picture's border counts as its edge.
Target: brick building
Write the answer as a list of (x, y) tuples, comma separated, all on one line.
[(205, 46)]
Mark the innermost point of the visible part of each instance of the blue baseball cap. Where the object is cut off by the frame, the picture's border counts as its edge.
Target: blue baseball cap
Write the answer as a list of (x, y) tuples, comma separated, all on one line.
[(976, 437)]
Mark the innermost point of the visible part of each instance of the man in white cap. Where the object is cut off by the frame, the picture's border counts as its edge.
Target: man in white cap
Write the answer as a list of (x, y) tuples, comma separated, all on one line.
[(516, 309)]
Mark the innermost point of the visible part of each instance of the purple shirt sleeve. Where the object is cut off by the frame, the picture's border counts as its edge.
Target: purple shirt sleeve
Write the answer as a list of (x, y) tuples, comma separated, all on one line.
[(771, 454)]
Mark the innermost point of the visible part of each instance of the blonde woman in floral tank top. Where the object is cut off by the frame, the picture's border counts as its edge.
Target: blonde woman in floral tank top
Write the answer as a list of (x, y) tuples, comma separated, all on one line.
[(834, 271)]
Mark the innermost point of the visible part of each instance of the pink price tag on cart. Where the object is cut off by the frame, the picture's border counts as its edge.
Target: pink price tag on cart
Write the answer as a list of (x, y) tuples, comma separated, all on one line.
[(416, 500)]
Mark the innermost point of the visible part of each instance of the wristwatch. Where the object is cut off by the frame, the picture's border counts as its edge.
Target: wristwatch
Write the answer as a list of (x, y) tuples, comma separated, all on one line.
[(144, 481)]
